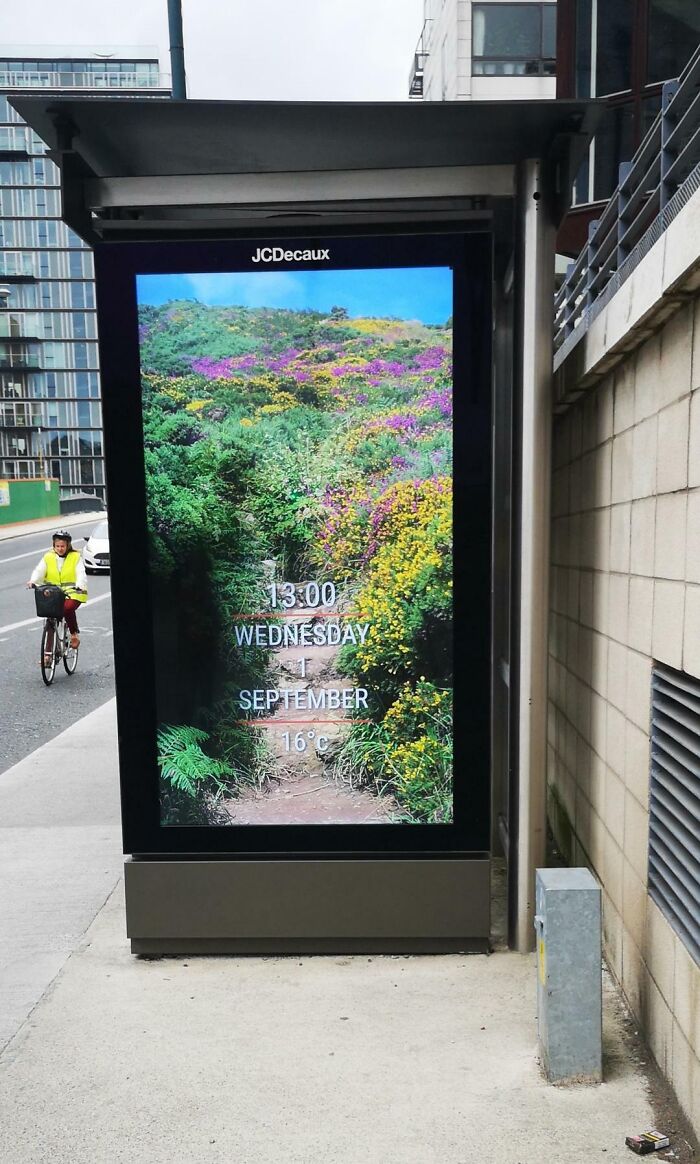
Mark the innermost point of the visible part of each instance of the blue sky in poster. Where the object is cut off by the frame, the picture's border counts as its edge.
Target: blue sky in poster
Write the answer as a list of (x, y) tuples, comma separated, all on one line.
[(423, 293)]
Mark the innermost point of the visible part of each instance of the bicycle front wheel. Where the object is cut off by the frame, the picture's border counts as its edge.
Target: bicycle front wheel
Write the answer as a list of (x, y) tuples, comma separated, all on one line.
[(70, 654), (48, 652)]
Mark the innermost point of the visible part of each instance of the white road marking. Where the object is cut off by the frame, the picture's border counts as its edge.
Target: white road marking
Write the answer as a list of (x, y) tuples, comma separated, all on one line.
[(28, 621)]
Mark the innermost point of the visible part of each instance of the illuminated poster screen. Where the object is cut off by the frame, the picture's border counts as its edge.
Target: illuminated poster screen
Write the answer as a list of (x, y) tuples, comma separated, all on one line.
[(298, 467)]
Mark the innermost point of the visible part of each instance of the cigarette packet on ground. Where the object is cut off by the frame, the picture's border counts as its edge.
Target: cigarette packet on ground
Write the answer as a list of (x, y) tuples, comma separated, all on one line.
[(647, 1142)]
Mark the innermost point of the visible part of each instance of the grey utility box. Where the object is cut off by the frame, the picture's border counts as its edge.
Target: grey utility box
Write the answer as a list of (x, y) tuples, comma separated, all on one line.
[(569, 980)]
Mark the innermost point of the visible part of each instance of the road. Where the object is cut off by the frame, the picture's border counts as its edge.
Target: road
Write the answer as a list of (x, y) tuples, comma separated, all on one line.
[(30, 713)]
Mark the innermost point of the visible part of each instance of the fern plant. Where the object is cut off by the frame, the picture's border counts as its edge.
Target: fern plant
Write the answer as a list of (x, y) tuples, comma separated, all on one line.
[(182, 762)]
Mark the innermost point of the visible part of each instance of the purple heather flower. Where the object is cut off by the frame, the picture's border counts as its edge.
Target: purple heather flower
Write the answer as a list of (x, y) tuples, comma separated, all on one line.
[(282, 361), (385, 368), (224, 368), (431, 358), (441, 400), (401, 422)]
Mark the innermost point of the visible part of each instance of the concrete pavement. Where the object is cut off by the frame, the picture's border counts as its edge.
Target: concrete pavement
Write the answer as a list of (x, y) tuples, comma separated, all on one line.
[(60, 857), (44, 524), (339, 1060)]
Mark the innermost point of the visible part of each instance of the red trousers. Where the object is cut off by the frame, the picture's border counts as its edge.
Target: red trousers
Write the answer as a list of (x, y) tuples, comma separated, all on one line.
[(70, 606)]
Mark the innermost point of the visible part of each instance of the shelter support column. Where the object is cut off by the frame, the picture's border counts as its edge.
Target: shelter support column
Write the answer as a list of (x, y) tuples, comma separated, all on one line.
[(537, 241)]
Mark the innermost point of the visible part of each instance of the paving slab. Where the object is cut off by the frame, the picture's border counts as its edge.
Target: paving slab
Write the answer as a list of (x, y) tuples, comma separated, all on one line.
[(412, 1060), (340, 1060)]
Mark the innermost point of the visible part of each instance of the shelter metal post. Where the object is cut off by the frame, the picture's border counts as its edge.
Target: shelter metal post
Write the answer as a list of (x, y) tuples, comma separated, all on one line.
[(537, 259), (177, 49)]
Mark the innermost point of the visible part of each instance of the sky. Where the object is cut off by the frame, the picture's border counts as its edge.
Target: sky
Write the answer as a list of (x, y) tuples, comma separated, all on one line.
[(295, 50), (423, 293)]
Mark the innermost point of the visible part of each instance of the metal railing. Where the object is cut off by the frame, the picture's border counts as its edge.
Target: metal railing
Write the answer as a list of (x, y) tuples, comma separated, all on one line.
[(661, 178), (415, 79)]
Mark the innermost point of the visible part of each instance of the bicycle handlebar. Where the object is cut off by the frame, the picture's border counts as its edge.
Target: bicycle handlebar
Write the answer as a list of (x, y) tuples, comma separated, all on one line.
[(68, 585)]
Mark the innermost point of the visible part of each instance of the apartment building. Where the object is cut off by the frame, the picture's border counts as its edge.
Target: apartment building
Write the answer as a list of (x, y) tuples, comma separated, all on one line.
[(50, 417), (473, 51)]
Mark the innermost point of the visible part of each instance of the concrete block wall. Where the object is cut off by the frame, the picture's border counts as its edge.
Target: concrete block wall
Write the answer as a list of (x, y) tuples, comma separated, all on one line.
[(448, 67), (625, 591)]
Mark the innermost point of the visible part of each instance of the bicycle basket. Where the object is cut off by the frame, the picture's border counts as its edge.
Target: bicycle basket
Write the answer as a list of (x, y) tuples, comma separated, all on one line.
[(49, 601)]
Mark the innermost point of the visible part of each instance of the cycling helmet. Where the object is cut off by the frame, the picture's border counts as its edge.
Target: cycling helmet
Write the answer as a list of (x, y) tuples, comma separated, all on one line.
[(62, 534)]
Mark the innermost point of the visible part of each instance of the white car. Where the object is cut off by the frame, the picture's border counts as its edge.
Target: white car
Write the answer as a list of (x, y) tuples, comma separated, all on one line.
[(96, 549)]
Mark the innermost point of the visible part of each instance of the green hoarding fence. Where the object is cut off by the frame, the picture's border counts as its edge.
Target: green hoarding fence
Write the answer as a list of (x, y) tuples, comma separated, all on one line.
[(28, 500)]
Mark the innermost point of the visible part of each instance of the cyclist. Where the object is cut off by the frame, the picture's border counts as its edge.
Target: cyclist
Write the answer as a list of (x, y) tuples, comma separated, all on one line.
[(63, 566)]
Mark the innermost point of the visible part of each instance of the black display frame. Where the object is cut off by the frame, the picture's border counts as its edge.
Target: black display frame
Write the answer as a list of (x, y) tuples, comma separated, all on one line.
[(468, 250)]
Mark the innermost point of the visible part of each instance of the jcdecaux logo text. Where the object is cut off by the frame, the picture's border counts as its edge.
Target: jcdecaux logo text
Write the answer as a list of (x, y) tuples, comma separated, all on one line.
[(280, 255)]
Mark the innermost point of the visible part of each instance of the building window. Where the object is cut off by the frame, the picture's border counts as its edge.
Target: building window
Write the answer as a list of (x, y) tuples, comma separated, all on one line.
[(614, 20), (75, 262), (613, 141), (674, 31), (77, 294), (514, 40)]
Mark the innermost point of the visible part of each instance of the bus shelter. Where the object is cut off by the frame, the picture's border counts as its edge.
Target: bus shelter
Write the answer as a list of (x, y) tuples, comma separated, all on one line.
[(325, 344)]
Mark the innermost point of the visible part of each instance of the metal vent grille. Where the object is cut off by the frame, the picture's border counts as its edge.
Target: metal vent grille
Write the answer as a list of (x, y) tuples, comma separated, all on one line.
[(674, 805)]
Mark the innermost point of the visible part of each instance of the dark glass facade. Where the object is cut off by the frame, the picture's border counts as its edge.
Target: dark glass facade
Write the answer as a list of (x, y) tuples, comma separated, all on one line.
[(622, 50), (674, 30)]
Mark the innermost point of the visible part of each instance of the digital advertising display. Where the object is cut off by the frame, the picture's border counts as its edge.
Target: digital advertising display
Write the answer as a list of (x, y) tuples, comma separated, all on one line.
[(306, 494)]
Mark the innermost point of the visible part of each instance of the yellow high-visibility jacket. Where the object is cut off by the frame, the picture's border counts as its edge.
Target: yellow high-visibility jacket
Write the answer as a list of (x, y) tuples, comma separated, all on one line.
[(65, 577)]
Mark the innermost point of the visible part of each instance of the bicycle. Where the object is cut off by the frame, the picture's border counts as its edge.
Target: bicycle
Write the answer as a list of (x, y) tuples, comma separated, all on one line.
[(55, 647), (55, 631)]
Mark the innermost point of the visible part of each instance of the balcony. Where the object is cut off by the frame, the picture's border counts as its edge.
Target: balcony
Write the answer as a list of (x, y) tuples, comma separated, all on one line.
[(45, 79), (653, 188), (17, 268), (417, 73), (23, 326), (18, 361), (14, 141), (20, 417)]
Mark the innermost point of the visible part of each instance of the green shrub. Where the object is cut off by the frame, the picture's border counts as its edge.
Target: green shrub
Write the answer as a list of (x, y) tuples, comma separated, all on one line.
[(408, 754)]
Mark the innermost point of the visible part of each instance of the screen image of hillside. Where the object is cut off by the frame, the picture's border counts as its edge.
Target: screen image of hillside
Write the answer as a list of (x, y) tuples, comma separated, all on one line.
[(298, 460)]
